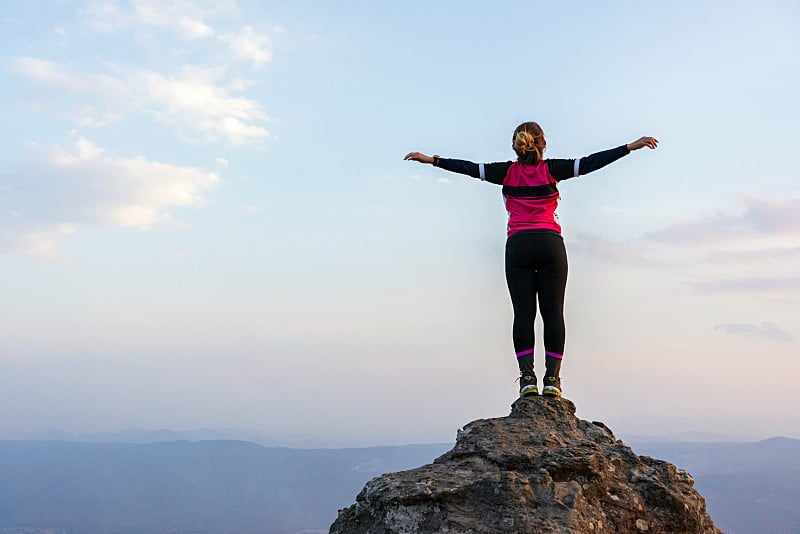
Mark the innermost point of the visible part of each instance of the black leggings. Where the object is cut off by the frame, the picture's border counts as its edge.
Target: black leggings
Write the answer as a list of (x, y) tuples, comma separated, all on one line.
[(536, 265)]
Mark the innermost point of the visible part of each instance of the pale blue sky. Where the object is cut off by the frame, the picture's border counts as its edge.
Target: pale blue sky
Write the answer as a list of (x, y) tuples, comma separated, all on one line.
[(205, 219)]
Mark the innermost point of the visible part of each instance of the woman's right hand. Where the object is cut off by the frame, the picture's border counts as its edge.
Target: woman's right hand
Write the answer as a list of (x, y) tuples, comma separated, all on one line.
[(418, 156), (649, 142)]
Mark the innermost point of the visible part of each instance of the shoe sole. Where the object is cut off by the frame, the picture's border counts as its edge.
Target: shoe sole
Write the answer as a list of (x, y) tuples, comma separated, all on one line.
[(550, 391), (529, 391)]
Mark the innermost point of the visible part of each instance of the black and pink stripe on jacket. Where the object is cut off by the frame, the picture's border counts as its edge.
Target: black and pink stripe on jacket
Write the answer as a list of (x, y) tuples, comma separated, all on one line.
[(531, 191)]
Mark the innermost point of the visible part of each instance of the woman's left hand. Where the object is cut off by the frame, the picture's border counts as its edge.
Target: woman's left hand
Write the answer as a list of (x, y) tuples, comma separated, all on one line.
[(418, 156)]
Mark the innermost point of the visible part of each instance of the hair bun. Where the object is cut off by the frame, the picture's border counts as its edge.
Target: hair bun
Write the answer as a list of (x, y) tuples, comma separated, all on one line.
[(529, 143), (525, 142)]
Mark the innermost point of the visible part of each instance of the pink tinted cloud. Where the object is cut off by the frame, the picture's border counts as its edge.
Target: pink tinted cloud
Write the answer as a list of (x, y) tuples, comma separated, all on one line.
[(755, 284), (613, 251), (761, 216), (765, 330)]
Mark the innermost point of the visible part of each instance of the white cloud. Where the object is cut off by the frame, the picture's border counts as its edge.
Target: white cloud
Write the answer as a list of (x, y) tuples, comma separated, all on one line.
[(41, 242), (51, 73), (239, 132), (103, 16), (248, 45), (428, 178), (81, 185), (185, 17), (192, 99), (201, 103), (89, 99)]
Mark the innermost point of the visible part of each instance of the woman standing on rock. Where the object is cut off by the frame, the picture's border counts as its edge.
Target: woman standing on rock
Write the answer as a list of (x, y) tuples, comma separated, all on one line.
[(536, 260)]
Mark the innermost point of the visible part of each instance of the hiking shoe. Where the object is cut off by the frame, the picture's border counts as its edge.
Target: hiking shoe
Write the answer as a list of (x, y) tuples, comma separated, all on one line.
[(552, 386), (527, 385)]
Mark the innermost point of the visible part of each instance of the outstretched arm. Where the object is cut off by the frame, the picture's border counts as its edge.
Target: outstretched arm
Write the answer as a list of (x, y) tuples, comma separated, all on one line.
[(561, 169), (490, 172)]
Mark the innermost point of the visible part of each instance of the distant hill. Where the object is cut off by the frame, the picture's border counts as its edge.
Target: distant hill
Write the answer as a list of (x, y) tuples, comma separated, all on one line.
[(235, 486), (749, 487), (147, 435), (207, 486)]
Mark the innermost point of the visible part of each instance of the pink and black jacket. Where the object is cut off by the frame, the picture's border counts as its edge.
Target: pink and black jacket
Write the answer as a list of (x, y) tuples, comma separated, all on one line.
[(530, 191)]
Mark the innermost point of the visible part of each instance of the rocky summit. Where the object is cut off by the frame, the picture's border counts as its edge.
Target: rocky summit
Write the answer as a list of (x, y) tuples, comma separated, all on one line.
[(538, 470)]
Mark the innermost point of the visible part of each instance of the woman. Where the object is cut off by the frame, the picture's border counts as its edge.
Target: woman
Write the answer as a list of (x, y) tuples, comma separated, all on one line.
[(536, 260)]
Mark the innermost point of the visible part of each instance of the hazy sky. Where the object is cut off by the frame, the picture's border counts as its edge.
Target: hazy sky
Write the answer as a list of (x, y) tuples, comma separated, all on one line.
[(205, 219)]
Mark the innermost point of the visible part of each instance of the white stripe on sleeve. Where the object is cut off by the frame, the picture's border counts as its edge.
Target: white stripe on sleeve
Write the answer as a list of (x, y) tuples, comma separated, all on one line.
[(481, 172), (576, 169)]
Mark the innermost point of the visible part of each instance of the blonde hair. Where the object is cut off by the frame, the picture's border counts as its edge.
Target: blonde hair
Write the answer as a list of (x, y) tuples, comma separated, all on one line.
[(529, 143)]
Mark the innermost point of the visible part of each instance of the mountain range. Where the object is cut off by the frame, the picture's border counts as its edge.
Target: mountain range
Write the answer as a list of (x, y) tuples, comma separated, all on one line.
[(237, 486)]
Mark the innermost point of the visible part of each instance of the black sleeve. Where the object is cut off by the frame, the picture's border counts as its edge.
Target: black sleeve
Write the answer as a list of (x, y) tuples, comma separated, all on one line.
[(561, 169), (490, 172)]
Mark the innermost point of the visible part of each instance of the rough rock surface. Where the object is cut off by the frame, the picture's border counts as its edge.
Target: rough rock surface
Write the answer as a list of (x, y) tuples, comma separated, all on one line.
[(538, 470)]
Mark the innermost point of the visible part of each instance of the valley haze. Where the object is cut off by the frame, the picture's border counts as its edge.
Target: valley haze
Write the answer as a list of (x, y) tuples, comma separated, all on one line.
[(226, 485)]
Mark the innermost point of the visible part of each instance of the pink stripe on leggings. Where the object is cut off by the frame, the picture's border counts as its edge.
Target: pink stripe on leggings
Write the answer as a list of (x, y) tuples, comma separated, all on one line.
[(553, 355), (522, 353)]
